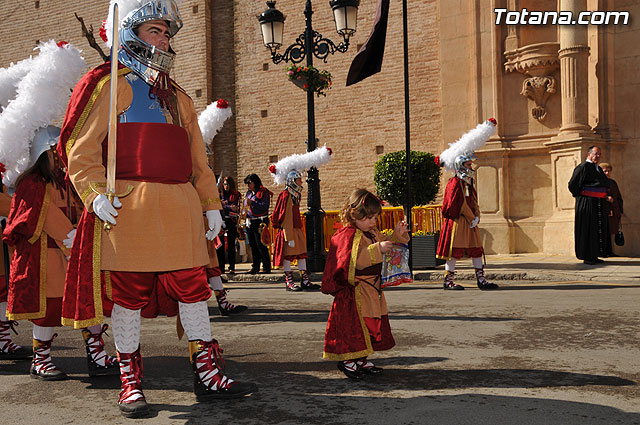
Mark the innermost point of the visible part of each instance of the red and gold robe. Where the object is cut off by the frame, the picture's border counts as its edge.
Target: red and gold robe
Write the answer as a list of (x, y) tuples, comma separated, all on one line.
[(286, 218), (5, 207), (358, 322), (459, 209), (36, 227)]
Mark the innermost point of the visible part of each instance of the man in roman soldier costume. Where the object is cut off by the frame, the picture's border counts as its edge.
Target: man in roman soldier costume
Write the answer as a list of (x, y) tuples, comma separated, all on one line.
[(40, 225), (459, 236), (153, 259), (590, 186), (290, 241)]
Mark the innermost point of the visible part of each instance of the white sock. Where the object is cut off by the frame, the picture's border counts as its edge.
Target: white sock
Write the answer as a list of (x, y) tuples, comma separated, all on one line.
[(477, 262), (195, 320), (450, 266), (43, 333), (126, 329), (286, 265), (215, 283), (302, 264), (3, 311)]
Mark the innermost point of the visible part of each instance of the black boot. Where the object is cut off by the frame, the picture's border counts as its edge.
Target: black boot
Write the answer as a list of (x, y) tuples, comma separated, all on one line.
[(41, 366), (9, 350), (483, 283), (209, 382), (225, 307), (306, 283), (449, 285), (289, 283), (98, 361)]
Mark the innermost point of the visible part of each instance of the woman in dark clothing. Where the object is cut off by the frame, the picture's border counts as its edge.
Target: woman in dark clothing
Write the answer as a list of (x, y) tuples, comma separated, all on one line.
[(230, 198), (257, 201), (616, 211)]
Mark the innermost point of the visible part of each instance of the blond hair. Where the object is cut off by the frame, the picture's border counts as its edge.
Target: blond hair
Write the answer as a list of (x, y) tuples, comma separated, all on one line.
[(361, 204), (605, 165)]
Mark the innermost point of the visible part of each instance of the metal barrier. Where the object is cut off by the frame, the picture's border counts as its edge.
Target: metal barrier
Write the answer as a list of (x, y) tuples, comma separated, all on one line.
[(427, 219)]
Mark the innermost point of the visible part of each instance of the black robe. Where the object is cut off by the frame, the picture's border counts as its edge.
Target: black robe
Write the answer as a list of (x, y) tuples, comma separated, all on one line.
[(592, 214)]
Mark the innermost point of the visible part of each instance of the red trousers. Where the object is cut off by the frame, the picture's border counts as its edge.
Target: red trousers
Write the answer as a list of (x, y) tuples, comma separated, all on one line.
[(159, 292)]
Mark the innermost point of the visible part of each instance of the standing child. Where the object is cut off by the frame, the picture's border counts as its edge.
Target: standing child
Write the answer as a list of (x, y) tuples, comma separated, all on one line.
[(40, 229), (358, 322)]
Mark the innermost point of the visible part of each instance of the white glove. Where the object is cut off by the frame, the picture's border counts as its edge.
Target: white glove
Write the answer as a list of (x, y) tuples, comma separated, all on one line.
[(247, 223), (215, 224), (475, 222), (104, 210), (292, 244), (69, 241)]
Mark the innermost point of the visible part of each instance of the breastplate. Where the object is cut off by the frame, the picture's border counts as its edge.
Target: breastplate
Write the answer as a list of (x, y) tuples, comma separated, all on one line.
[(143, 108)]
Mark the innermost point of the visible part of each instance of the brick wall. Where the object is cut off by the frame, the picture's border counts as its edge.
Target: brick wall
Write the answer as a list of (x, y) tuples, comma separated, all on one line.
[(351, 120), (220, 55)]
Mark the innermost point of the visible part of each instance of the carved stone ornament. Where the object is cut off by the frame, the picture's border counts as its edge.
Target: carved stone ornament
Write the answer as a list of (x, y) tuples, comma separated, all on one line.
[(538, 89), (537, 61)]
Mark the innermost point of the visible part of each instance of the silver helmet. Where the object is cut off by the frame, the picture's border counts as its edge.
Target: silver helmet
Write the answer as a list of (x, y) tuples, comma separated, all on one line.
[(291, 181), (144, 59), (461, 170), (44, 139)]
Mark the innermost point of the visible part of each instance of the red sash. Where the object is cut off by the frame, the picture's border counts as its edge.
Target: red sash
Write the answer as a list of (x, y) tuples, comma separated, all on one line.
[(152, 152), (594, 192)]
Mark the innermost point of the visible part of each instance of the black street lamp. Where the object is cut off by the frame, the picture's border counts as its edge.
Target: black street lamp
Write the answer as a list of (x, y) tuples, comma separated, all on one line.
[(307, 45)]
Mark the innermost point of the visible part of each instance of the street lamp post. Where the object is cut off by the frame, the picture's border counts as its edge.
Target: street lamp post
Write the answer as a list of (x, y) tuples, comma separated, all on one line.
[(307, 45)]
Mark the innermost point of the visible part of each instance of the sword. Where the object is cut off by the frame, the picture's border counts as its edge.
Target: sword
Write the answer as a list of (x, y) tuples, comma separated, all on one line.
[(112, 138)]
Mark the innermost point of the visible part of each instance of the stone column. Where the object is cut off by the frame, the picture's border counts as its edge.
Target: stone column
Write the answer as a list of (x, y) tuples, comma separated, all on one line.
[(574, 54)]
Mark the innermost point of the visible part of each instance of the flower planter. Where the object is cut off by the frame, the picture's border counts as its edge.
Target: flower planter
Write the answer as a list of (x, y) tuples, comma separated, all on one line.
[(423, 251), (299, 82)]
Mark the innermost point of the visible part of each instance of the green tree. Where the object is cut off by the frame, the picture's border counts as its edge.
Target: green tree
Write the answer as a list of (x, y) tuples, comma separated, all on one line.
[(390, 176)]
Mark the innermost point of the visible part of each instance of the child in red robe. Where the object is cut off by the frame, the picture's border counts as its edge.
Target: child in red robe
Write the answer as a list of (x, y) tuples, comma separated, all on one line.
[(358, 322), (42, 233)]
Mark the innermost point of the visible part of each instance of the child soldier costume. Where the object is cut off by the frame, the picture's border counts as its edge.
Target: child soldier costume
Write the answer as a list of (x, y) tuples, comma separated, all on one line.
[(290, 241), (459, 236), (43, 209), (153, 259)]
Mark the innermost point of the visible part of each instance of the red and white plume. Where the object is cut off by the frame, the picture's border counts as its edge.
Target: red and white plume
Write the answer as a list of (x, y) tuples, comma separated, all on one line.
[(42, 89), (300, 162), (468, 143), (212, 119)]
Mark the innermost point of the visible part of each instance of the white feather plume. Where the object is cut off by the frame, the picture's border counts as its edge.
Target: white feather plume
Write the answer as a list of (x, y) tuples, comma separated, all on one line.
[(9, 79), (124, 8), (470, 141), (41, 98), (212, 119), (300, 162)]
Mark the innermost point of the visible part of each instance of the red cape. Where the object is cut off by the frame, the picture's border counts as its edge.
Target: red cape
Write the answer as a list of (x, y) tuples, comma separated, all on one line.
[(347, 336), (86, 297), (27, 298), (451, 207)]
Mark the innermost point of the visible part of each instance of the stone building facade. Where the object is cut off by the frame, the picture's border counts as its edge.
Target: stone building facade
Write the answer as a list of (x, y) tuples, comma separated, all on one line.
[(554, 89)]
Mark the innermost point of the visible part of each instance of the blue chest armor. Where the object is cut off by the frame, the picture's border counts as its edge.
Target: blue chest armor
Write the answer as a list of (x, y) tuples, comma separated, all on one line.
[(143, 108)]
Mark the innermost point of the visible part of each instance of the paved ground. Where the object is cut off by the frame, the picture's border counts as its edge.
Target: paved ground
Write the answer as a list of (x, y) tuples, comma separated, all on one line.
[(560, 350)]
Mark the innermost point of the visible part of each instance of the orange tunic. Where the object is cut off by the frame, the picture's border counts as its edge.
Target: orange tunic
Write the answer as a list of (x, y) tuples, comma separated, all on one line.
[(160, 226)]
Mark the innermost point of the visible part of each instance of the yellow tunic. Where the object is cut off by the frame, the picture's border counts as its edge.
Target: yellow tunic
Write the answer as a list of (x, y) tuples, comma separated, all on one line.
[(291, 233), (160, 226), (466, 237)]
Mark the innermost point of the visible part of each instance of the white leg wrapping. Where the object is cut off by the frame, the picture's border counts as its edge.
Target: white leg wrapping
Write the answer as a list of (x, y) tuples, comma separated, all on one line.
[(43, 333), (195, 320), (126, 329), (477, 262), (3, 311), (286, 265), (215, 283), (302, 264), (450, 266)]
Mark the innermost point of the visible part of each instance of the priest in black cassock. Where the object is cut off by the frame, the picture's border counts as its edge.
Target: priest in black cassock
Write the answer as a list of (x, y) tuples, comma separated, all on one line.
[(589, 185)]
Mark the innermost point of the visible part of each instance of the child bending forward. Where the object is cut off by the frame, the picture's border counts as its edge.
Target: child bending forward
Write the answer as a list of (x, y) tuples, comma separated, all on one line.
[(358, 322)]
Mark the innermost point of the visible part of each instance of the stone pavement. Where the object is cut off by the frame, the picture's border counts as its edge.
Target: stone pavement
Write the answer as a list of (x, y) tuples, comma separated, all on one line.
[(509, 267)]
